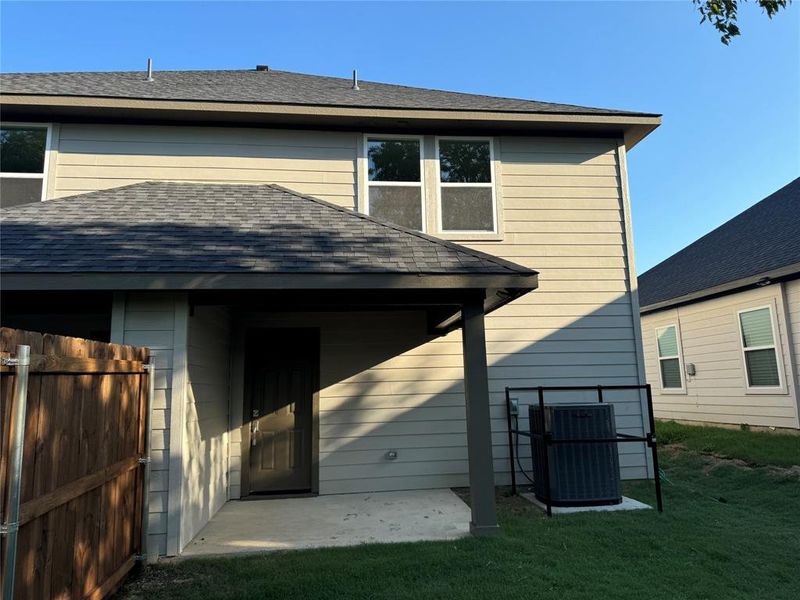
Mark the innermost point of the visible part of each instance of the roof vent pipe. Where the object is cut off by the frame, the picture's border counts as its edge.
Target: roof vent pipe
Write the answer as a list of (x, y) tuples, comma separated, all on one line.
[(149, 69), (355, 80)]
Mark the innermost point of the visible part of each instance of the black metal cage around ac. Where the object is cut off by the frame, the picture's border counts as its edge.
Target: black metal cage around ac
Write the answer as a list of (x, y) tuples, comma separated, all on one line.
[(543, 441)]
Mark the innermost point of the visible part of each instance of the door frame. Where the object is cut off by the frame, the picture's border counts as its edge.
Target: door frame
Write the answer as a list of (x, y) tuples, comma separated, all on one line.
[(239, 404)]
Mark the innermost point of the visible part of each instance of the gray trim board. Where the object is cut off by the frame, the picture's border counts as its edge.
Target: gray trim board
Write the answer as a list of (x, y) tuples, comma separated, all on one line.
[(118, 318), (261, 281), (177, 405)]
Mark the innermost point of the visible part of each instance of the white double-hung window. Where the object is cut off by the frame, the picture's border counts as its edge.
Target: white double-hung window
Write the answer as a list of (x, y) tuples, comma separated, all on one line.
[(759, 349), (394, 180), (466, 194), (23, 163), (670, 362)]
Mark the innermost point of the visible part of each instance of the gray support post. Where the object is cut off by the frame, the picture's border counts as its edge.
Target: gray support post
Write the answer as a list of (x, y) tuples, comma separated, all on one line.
[(16, 440), (150, 367), (479, 428)]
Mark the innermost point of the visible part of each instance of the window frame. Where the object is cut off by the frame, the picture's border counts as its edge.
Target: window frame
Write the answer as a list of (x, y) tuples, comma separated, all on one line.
[(421, 183), (47, 148), (679, 356), (492, 185), (776, 347)]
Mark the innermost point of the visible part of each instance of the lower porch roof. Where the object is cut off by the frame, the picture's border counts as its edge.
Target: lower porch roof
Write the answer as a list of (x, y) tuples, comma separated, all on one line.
[(204, 238)]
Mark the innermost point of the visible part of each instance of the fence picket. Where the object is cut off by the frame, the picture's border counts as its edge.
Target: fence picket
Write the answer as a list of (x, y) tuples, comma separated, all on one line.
[(82, 490)]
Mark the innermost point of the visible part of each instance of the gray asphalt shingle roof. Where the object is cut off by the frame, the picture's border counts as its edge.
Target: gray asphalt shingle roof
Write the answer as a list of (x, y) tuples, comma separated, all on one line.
[(217, 228), (272, 87), (764, 237)]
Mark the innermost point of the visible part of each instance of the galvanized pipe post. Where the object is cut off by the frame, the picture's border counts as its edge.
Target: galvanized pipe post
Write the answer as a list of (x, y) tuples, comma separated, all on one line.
[(511, 444), (16, 440)]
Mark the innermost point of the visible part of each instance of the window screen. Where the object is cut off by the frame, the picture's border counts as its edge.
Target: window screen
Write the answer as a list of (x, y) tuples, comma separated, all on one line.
[(394, 182), (669, 357), (758, 344), (22, 154), (466, 191)]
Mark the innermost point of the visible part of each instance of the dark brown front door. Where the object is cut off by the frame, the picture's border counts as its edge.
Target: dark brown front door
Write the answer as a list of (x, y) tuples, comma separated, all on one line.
[(281, 374)]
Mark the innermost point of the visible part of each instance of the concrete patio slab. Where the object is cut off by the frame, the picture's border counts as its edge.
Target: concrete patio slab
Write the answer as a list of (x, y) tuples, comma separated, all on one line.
[(626, 504), (340, 520)]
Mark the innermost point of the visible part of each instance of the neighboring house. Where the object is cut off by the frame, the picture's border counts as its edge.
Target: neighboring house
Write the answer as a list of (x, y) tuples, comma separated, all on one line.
[(276, 235), (721, 320)]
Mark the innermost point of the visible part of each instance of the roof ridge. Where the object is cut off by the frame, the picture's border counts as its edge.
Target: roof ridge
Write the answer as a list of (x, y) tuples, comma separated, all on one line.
[(447, 244)]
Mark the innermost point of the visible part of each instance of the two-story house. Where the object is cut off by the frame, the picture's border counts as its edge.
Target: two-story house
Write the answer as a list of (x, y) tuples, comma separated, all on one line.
[(338, 278)]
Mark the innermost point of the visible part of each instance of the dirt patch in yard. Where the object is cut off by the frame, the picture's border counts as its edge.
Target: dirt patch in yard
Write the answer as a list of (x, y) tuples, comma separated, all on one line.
[(715, 461), (155, 580)]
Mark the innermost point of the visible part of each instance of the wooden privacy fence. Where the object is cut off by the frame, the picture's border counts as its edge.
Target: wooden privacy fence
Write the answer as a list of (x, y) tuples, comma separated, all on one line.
[(84, 475)]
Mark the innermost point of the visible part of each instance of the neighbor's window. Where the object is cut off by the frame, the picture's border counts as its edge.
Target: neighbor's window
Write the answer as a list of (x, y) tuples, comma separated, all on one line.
[(758, 345), (22, 158), (466, 190), (394, 181), (669, 358)]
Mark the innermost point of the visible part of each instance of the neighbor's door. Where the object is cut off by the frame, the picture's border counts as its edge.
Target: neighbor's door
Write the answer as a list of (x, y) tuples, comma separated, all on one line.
[(281, 374)]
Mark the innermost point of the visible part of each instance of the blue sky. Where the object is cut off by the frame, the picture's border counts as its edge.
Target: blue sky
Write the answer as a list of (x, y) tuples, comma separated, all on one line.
[(731, 132)]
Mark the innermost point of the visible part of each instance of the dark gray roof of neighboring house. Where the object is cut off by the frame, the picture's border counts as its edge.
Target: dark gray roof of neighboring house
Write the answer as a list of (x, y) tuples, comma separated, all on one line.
[(216, 228), (763, 238), (273, 87)]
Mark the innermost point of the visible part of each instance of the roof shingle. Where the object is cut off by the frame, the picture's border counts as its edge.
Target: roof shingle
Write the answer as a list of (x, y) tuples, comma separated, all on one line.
[(764, 237), (273, 87), (159, 227)]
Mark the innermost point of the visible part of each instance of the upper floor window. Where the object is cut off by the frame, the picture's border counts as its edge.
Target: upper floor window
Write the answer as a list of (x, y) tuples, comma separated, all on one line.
[(22, 163), (394, 182), (466, 185), (669, 358), (759, 348)]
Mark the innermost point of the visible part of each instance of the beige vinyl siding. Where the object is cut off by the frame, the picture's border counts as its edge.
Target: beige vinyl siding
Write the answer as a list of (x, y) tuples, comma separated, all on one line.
[(368, 404), (710, 339), (95, 157), (150, 320), (205, 449), (562, 213)]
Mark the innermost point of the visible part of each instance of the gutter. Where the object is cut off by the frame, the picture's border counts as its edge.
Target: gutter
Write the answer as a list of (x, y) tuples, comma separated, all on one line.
[(782, 273)]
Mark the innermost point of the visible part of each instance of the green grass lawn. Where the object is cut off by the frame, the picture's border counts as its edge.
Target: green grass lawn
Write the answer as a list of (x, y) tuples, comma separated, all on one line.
[(754, 447), (730, 530)]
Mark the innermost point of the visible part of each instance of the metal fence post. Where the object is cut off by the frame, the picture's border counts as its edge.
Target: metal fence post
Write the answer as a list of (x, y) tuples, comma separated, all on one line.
[(16, 441), (511, 445)]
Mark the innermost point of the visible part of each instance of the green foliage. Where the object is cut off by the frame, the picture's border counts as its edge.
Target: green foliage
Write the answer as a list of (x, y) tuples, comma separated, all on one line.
[(22, 150), (465, 162), (394, 160), (723, 14), (727, 533)]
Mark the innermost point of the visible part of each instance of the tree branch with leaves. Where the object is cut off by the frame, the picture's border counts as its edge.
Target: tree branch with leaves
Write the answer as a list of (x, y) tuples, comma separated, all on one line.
[(723, 14)]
